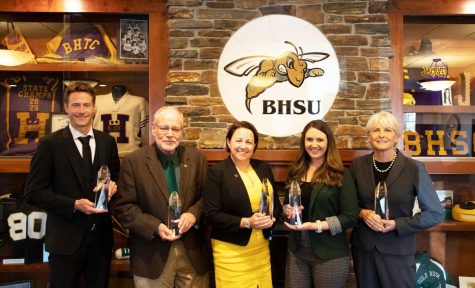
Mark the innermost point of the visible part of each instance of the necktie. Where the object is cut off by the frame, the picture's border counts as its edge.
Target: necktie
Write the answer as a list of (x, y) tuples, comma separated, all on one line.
[(170, 176), (87, 163), (86, 155)]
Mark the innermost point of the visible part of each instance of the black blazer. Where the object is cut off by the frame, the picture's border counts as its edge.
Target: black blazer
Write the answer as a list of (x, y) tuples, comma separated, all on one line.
[(56, 181), (406, 180), (227, 201)]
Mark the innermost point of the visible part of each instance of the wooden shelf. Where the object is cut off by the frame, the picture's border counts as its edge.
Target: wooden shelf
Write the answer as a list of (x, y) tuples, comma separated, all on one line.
[(280, 159), (19, 268), (117, 265), (79, 67), (448, 165), (438, 109), (453, 226), (122, 265), (15, 164)]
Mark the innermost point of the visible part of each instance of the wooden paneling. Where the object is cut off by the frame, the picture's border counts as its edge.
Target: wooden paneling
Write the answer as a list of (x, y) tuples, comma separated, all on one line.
[(77, 67), (99, 6), (158, 47), (432, 7)]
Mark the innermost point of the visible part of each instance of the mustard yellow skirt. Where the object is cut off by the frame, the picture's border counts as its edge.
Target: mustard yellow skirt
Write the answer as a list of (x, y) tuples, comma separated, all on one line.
[(243, 266)]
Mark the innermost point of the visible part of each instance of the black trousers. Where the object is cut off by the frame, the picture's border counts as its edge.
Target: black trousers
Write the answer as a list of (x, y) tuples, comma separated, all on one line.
[(377, 270), (91, 260)]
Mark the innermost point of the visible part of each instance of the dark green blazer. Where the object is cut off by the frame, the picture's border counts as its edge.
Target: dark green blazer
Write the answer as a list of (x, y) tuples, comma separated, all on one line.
[(327, 201)]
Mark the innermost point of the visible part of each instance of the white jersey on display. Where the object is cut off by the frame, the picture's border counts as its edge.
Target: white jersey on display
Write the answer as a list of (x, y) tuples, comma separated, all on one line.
[(126, 120)]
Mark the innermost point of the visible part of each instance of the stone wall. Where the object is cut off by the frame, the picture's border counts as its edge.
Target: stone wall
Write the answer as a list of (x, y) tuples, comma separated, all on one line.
[(199, 29)]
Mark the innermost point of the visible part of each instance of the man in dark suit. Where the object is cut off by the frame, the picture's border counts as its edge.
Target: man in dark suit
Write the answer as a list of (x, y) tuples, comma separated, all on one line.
[(62, 181), (161, 257)]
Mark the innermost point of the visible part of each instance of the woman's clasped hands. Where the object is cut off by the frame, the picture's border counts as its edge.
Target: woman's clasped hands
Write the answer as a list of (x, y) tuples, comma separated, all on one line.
[(261, 221), (375, 222)]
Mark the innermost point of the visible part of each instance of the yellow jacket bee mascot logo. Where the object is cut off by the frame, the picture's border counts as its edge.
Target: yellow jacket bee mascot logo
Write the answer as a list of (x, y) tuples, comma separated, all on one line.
[(278, 72), (290, 66)]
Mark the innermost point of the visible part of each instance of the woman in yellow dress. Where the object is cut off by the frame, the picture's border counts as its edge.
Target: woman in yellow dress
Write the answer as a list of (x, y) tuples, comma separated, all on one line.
[(232, 194)]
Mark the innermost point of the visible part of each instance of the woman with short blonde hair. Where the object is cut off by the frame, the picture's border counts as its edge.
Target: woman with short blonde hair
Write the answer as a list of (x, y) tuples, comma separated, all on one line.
[(383, 243)]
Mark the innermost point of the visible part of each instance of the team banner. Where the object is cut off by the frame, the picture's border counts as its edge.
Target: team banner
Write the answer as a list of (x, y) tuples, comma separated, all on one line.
[(15, 40), (26, 104)]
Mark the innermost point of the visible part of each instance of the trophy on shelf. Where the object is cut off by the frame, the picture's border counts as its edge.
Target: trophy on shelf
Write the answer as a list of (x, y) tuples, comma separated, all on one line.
[(295, 202), (267, 198), (381, 200), (174, 212), (102, 194)]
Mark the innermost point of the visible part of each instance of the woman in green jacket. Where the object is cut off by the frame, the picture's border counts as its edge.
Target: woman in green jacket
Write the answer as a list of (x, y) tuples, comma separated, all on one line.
[(318, 249)]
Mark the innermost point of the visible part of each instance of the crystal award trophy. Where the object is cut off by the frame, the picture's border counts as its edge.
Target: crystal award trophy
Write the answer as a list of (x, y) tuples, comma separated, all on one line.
[(102, 194), (381, 200), (266, 206), (174, 212), (295, 202)]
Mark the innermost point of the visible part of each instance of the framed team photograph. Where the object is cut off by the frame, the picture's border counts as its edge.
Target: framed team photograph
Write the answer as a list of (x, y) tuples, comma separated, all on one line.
[(133, 39), (58, 121)]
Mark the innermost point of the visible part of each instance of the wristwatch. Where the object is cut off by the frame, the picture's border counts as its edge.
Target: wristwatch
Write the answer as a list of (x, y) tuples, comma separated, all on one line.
[(247, 223)]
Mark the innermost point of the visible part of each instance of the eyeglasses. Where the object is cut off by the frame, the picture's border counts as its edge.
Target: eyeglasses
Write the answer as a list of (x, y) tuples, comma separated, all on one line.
[(165, 129)]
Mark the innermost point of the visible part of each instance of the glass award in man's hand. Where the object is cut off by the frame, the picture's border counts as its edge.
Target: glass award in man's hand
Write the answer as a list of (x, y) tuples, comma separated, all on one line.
[(267, 198), (102, 193), (174, 212), (295, 202), (381, 200)]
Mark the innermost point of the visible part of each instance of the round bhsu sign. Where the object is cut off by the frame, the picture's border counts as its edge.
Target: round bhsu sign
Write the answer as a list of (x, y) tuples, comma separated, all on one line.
[(278, 72)]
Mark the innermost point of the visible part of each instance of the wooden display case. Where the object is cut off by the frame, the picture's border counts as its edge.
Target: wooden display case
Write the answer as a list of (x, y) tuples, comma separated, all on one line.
[(40, 21), (441, 24)]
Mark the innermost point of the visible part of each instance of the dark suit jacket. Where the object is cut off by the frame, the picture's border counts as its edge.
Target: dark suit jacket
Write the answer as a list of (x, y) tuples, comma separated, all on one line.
[(327, 201), (227, 201), (56, 181), (406, 180), (142, 204)]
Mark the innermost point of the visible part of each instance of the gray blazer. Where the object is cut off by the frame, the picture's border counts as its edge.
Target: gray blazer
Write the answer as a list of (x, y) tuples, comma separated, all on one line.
[(142, 204), (406, 180)]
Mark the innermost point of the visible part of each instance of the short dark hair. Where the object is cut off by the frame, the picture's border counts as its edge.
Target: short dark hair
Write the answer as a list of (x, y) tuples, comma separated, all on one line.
[(242, 124), (79, 87)]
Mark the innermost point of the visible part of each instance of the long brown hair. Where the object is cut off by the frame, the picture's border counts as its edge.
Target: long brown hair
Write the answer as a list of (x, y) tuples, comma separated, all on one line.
[(331, 171)]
